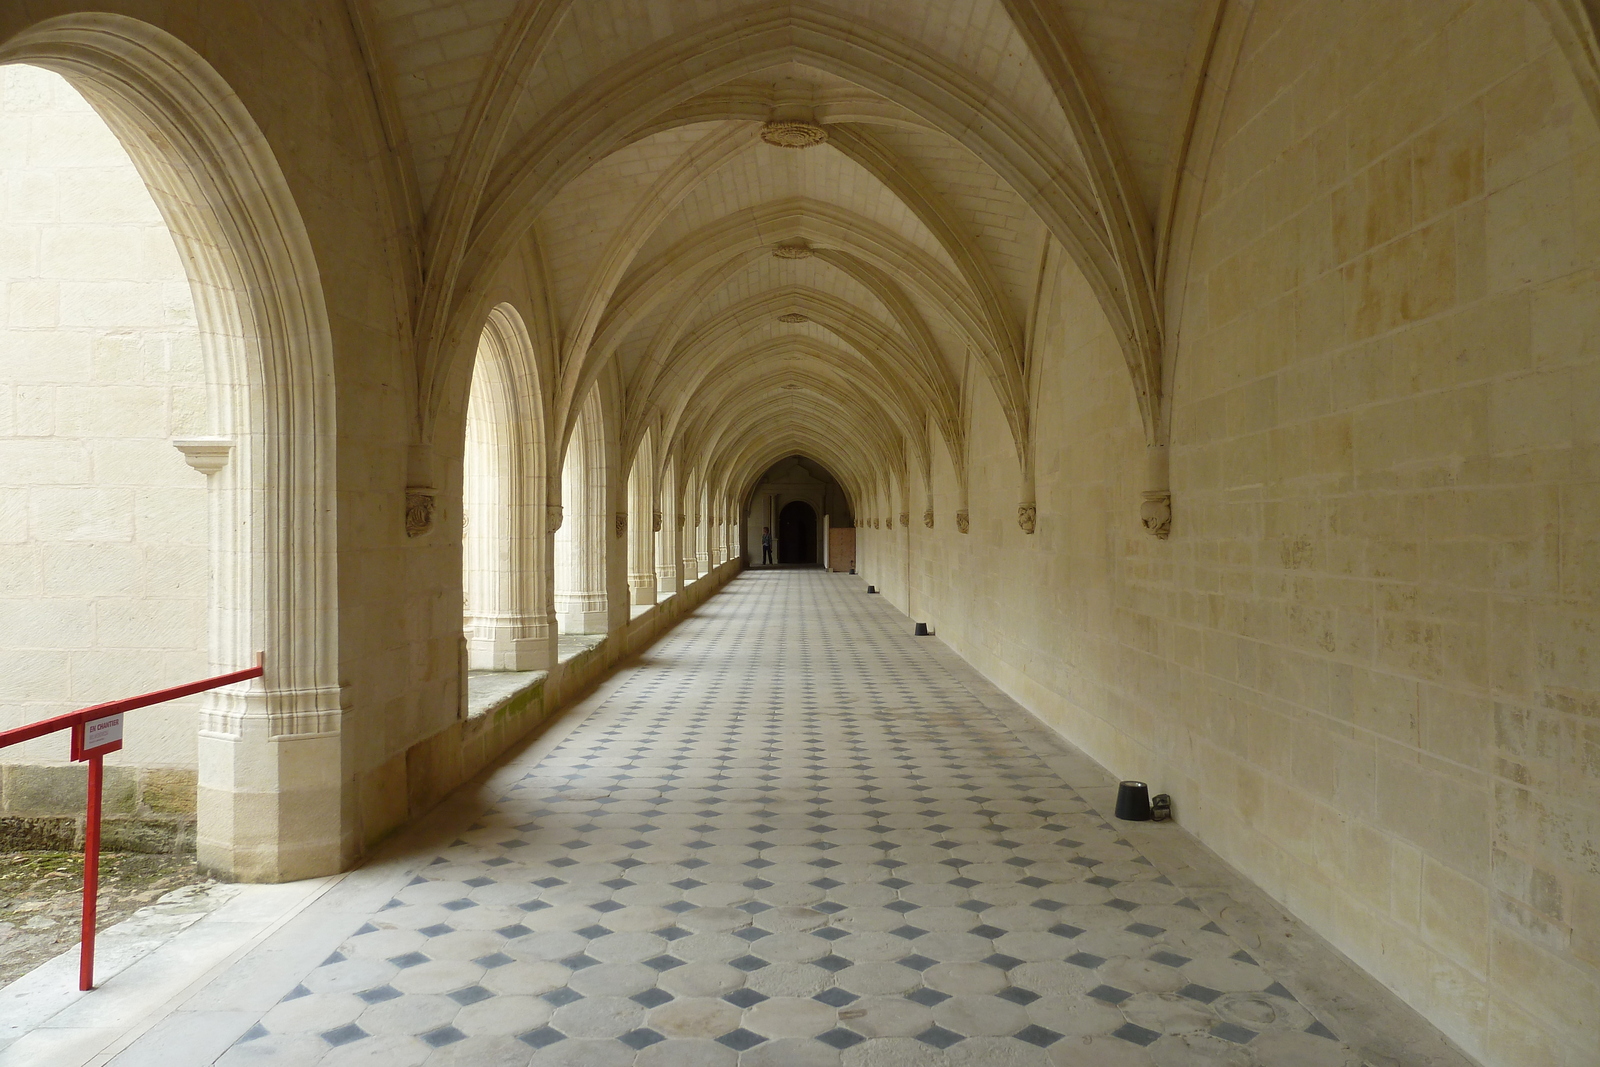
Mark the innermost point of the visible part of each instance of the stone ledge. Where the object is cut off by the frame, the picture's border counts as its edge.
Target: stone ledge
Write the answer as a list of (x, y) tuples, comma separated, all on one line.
[(503, 708), (492, 691), (571, 646)]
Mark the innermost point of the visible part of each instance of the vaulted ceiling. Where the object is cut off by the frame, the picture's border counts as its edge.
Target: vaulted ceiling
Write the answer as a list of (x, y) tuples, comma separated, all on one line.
[(754, 299)]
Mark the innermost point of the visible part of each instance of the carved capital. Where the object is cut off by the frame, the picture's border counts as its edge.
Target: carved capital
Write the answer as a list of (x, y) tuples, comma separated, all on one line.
[(927, 518), (905, 519), (655, 521), (622, 523), (963, 522), (1155, 513), (552, 518), (682, 521), (875, 524), (421, 503), (1027, 517)]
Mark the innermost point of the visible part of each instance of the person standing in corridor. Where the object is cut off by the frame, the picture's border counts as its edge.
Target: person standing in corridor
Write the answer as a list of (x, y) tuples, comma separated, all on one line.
[(766, 544)]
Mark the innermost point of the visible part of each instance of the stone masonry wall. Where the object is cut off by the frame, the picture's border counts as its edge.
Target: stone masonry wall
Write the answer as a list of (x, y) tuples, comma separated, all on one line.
[(1365, 663), (103, 555)]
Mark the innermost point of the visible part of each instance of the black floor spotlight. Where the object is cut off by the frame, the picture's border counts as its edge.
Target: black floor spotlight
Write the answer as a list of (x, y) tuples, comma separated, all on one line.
[(1133, 801), (922, 629), (872, 589)]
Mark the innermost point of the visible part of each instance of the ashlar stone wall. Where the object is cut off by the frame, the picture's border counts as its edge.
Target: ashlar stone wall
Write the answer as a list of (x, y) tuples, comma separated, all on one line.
[(103, 540), (1367, 662)]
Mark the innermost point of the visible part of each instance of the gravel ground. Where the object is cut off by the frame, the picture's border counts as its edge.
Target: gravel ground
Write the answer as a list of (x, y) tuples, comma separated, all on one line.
[(40, 898)]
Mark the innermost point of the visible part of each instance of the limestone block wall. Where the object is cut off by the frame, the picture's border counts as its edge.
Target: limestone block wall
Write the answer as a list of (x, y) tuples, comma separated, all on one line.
[(103, 537), (1365, 662)]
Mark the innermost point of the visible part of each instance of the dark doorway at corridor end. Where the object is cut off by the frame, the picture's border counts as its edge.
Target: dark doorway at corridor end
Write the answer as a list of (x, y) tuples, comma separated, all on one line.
[(821, 532), (797, 534)]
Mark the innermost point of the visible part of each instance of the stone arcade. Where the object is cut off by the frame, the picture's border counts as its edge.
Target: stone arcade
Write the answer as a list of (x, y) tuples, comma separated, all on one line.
[(1240, 359)]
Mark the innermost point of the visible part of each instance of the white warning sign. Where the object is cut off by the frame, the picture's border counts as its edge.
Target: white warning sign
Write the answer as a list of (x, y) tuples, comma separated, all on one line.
[(102, 732)]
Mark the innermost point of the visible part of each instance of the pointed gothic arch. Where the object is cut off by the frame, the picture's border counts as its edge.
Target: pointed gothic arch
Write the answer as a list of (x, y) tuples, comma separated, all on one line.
[(267, 352)]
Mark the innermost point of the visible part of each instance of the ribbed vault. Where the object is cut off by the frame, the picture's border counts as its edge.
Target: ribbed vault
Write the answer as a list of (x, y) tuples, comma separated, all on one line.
[(741, 300)]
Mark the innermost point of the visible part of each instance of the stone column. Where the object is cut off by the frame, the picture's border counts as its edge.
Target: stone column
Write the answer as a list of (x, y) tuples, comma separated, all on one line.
[(702, 529), (669, 553), (271, 802), (690, 566), (689, 521), (702, 540), (272, 797), (581, 606), (642, 517)]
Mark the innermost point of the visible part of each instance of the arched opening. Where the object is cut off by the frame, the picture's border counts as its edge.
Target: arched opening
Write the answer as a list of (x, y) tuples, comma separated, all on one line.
[(797, 534), (484, 556), (505, 624), (261, 383), (580, 589), (106, 562)]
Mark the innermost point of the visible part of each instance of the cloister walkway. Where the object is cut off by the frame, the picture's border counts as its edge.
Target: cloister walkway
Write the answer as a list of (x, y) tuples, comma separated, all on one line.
[(791, 835)]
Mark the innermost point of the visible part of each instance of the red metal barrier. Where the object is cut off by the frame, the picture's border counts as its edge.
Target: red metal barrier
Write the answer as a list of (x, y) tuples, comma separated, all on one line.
[(96, 733)]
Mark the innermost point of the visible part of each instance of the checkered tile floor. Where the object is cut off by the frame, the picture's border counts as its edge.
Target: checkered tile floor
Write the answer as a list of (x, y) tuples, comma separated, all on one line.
[(790, 837)]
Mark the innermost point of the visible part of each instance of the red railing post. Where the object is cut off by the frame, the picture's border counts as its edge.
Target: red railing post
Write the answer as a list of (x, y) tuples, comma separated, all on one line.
[(97, 731), (91, 872)]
